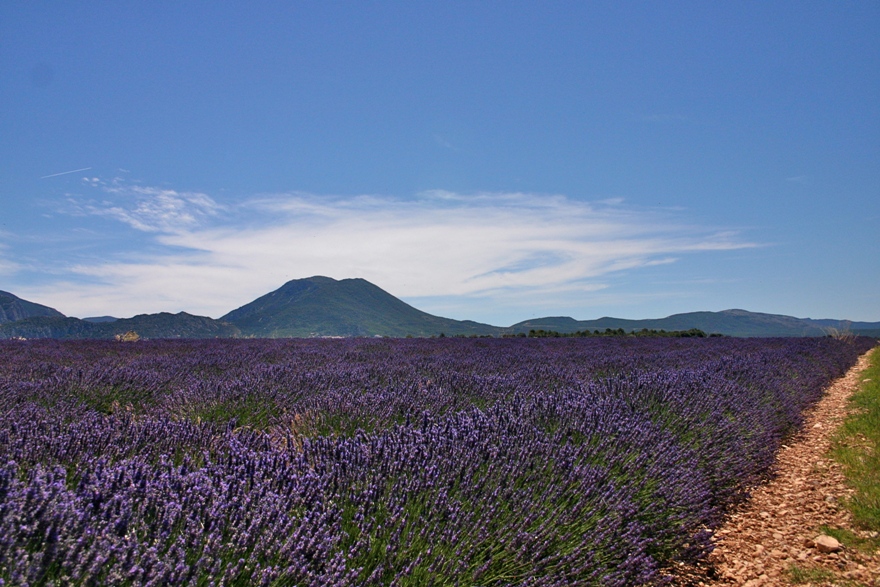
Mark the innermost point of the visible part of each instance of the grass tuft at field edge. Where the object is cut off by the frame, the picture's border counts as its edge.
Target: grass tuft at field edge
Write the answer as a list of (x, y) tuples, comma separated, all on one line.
[(857, 447)]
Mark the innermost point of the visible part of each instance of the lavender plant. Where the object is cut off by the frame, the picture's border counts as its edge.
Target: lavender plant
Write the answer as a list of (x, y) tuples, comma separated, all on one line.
[(387, 462)]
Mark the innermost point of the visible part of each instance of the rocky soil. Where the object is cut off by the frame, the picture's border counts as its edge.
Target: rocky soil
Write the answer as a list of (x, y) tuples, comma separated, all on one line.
[(777, 529)]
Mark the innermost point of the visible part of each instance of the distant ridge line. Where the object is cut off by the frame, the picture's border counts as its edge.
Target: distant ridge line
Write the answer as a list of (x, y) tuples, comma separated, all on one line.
[(322, 306)]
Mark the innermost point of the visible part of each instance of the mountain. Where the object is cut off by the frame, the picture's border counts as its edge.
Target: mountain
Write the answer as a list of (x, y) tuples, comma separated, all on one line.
[(13, 308), (167, 325), (162, 325), (727, 322), (321, 306), (101, 319)]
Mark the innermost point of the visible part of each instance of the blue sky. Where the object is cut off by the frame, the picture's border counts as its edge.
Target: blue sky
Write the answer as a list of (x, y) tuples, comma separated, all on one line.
[(493, 161)]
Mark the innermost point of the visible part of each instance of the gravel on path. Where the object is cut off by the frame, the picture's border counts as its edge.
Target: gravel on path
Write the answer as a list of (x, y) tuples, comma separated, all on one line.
[(776, 528)]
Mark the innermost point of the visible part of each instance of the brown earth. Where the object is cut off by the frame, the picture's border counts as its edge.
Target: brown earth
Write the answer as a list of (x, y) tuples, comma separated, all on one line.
[(775, 529)]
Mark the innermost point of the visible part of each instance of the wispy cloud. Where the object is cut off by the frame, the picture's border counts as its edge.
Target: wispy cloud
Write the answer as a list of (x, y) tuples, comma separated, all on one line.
[(65, 172), (7, 266), (488, 248), (153, 209)]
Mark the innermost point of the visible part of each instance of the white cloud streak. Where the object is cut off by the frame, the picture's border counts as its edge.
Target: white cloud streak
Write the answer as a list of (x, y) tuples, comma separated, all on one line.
[(157, 210), (7, 266), (65, 172), (508, 249)]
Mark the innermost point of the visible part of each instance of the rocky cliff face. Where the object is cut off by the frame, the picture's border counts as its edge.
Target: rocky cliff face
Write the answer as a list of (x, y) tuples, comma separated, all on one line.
[(13, 308)]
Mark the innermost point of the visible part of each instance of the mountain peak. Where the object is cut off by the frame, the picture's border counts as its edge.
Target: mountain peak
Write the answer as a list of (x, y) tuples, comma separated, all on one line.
[(315, 279), (323, 306)]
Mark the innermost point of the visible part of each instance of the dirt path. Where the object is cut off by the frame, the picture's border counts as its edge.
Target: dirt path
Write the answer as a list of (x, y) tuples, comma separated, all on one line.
[(775, 529)]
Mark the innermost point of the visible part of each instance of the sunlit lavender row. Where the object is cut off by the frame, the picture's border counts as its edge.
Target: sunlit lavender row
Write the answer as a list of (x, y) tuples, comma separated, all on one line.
[(387, 462)]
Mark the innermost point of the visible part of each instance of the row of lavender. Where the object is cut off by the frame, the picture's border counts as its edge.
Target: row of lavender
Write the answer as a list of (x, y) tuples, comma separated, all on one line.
[(386, 462)]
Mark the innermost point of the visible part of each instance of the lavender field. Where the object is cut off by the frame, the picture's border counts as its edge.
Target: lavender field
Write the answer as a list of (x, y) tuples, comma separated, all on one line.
[(387, 461)]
